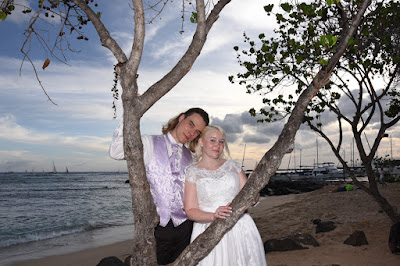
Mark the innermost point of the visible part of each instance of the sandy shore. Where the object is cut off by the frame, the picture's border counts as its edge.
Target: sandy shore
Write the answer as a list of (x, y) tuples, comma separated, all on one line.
[(279, 216), (351, 211)]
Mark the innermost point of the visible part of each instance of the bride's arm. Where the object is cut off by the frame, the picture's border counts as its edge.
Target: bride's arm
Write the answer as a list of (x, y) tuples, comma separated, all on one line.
[(242, 179), (192, 210), (242, 182)]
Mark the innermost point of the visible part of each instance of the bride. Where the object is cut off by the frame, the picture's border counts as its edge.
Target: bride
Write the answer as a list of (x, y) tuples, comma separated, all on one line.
[(211, 184)]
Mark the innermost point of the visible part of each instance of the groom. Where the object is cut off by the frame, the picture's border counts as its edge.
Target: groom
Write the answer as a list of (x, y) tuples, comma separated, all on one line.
[(166, 158)]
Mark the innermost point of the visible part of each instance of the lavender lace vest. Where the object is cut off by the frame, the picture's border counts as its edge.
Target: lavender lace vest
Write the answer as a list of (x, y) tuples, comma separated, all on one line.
[(167, 189)]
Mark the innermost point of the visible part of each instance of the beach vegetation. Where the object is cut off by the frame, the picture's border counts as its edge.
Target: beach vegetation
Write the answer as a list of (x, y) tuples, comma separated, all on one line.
[(329, 49), (360, 99)]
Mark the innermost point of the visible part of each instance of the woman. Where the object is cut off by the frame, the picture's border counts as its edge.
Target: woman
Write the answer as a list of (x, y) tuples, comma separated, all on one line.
[(211, 184)]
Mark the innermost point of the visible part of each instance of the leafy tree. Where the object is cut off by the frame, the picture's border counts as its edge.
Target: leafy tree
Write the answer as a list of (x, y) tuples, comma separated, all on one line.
[(135, 106), (366, 77)]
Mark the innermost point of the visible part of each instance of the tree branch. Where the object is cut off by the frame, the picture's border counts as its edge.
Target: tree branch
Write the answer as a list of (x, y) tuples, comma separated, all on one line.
[(105, 37)]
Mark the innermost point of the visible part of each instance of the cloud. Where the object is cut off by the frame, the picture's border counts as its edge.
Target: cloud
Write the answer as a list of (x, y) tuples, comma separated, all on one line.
[(12, 164), (10, 130), (244, 128), (13, 153), (256, 138), (171, 50)]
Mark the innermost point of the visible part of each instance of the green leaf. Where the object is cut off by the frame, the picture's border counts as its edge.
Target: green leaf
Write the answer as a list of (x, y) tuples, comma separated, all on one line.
[(287, 7), (264, 48), (3, 15), (299, 59), (98, 14), (193, 18), (268, 8), (352, 41), (323, 62), (331, 2), (328, 40)]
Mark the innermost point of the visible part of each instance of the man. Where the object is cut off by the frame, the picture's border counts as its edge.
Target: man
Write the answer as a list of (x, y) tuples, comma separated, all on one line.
[(381, 176), (165, 159)]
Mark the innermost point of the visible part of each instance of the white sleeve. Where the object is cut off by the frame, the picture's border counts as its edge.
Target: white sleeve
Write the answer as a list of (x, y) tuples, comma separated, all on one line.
[(116, 150), (147, 148)]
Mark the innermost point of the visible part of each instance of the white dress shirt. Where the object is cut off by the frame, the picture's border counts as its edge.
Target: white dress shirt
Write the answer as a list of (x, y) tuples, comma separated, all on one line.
[(116, 150)]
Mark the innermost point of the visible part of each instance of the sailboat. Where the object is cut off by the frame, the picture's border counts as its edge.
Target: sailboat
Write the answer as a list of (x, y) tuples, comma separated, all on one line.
[(66, 170), (54, 169)]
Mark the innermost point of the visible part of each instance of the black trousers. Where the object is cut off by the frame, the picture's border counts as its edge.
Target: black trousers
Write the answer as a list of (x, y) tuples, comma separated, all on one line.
[(171, 241)]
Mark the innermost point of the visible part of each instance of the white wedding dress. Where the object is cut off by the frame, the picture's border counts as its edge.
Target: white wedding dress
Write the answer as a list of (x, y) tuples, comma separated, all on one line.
[(242, 245)]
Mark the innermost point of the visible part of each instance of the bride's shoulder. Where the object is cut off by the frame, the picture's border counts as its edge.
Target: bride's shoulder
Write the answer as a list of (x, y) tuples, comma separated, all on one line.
[(233, 164), (191, 167)]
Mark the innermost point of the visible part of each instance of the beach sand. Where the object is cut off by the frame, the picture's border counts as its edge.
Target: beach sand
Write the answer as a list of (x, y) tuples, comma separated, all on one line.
[(280, 216)]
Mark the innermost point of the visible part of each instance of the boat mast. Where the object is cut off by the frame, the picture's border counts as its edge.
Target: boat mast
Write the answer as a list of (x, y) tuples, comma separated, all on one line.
[(300, 159), (316, 140), (54, 168), (391, 150), (244, 152)]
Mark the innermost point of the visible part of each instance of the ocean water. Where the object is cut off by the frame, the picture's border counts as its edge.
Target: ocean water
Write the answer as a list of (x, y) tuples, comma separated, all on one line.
[(41, 213)]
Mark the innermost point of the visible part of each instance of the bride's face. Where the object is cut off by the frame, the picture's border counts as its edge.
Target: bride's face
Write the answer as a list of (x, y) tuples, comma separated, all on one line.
[(213, 144)]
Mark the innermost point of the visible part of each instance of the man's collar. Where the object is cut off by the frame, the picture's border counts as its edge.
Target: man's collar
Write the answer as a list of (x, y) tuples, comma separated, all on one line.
[(172, 140)]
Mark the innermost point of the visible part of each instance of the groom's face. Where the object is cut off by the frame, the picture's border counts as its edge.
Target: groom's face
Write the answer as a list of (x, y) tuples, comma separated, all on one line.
[(188, 128)]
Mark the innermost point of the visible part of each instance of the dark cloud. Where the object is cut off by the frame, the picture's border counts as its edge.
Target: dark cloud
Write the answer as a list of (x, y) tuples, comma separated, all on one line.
[(258, 139), (245, 128), (270, 129), (232, 123), (247, 119), (348, 108), (232, 137)]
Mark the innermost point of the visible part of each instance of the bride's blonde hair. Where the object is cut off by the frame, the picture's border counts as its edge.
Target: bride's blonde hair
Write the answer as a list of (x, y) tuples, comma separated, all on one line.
[(199, 149)]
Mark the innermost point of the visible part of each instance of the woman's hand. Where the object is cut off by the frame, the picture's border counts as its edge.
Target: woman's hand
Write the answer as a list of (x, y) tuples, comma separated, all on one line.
[(222, 212)]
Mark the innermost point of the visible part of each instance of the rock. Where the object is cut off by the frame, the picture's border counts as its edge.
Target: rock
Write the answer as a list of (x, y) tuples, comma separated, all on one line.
[(291, 242), (127, 261), (316, 221), (266, 192), (110, 261), (282, 244), (325, 227), (356, 239), (306, 239), (394, 238), (280, 187)]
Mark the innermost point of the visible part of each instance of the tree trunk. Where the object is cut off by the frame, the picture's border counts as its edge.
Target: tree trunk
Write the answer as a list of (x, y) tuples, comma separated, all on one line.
[(383, 203)]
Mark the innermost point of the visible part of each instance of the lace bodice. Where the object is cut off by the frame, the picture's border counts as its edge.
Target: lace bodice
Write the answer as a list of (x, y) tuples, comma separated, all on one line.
[(215, 187)]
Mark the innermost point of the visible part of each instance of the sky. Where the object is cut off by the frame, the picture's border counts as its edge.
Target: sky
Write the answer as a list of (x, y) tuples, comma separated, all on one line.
[(76, 133)]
